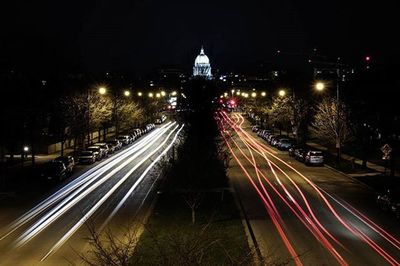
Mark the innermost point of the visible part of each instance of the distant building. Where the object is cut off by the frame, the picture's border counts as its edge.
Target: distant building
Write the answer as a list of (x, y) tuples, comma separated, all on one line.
[(202, 67)]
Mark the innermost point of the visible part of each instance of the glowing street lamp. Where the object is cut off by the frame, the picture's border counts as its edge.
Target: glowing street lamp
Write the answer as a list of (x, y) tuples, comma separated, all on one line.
[(163, 93), (174, 93), (238, 93), (127, 93), (139, 94), (102, 90), (26, 148), (282, 93), (319, 86), (158, 95), (225, 94), (254, 94), (263, 94), (151, 95)]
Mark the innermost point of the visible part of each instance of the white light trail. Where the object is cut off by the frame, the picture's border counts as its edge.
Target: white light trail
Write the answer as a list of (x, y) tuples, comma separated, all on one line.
[(105, 197), (93, 173), (77, 196)]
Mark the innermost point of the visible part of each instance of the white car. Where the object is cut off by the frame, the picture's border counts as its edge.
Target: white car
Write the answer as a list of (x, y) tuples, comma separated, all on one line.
[(314, 158)]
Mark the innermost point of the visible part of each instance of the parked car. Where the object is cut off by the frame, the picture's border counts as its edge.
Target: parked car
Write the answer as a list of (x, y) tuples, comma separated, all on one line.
[(68, 161), (390, 201), (161, 119), (284, 144), (111, 148), (125, 140), (54, 171), (97, 152), (115, 143), (150, 127), (137, 132), (300, 155), (291, 150), (103, 146), (314, 158), (87, 157)]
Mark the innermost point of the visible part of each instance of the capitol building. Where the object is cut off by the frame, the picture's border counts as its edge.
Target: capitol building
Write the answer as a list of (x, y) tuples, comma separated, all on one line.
[(202, 67)]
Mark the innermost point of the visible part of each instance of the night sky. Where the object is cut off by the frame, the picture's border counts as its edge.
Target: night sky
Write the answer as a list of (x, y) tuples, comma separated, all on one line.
[(138, 36)]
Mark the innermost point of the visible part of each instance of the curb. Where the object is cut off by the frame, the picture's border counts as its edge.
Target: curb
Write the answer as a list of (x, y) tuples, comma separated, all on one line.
[(258, 257)]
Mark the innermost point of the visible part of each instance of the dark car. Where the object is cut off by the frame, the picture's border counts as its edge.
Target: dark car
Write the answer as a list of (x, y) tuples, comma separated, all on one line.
[(68, 161), (284, 144), (291, 150), (87, 157), (300, 154), (54, 171), (390, 201)]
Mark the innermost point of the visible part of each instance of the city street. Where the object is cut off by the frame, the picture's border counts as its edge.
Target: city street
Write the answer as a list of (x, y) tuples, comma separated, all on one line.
[(112, 194), (308, 215)]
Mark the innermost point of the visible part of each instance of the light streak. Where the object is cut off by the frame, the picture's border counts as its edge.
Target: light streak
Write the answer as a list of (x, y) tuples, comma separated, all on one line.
[(72, 230)]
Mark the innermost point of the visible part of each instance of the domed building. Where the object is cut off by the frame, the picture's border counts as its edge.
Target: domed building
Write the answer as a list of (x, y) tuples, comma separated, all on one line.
[(202, 67)]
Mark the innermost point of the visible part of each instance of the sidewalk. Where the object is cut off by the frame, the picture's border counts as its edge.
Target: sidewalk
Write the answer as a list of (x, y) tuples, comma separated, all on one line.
[(370, 165)]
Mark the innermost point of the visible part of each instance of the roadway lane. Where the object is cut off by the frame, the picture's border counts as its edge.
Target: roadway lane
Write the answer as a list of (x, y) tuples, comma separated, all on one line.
[(111, 194), (311, 215)]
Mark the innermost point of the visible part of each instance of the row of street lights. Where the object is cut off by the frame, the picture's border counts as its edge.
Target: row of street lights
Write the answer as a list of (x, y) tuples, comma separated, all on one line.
[(127, 93), (319, 86), (243, 94)]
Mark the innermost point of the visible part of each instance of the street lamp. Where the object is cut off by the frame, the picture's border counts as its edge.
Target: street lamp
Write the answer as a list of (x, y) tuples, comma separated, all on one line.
[(158, 95), (282, 93), (238, 93), (102, 90), (26, 148), (163, 93), (151, 95), (254, 94), (127, 93), (139, 94), (174, 93), (320, 86), (263, 94)]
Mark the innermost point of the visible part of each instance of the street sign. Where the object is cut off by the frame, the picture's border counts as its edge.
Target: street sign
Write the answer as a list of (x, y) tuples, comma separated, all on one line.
[(386, 150)]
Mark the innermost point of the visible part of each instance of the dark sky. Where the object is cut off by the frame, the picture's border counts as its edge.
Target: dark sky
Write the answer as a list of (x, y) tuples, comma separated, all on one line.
[(137, 36)]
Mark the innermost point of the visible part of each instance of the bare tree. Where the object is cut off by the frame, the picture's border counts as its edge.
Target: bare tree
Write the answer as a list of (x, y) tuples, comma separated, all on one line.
[(280, 112), (125, 113), (193, 200), (331, 123), (85, 113), (172, 247)]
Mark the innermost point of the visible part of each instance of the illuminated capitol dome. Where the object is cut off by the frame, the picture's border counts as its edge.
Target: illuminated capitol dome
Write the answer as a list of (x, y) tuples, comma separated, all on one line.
[(202, 67)]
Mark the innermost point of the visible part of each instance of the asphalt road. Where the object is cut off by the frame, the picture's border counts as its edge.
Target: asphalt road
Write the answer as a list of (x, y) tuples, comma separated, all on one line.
[(113, 194), (305, 215)]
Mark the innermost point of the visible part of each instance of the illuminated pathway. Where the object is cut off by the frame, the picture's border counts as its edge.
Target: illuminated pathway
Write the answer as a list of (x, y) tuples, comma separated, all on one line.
[(310, 215), (98, 195)]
